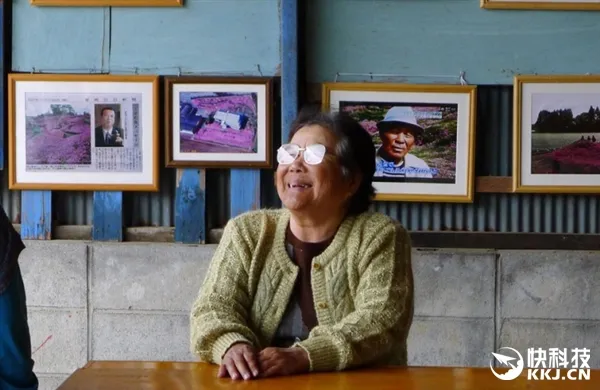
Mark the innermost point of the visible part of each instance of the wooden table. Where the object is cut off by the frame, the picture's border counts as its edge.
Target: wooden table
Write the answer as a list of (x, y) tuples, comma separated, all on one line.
[(130, 375)]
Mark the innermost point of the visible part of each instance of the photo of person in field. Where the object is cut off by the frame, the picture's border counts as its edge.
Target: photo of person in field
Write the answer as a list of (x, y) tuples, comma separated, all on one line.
[(414, 142), (565, 133)]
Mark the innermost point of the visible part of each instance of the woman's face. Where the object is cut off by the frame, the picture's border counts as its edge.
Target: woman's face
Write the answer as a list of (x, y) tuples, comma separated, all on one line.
[(316, 188)]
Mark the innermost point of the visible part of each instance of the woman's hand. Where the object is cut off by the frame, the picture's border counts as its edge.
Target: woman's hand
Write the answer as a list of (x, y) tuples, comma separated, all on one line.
[(240, 361), (283, 361)]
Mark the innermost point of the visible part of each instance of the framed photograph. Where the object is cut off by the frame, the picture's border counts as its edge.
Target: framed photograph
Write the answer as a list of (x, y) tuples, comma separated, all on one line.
[(424, 137), (565, 5), (556, 141), (218, 122), (83, 132), (106, 3)]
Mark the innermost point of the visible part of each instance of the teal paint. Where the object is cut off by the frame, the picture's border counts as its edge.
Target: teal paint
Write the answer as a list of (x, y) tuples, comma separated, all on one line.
[(203, 36), (244, 191), (190, 203), (417, 37), (289, 66), (107, 223), (36, 215), (59, 39)]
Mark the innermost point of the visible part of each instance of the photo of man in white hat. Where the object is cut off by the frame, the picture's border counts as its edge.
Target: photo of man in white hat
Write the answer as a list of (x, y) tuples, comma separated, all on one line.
[(399, 132)]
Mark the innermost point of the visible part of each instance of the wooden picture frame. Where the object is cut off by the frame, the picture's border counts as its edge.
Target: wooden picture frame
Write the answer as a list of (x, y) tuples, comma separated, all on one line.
[(556, 142), (221, 122), (51, 118), (558, 5), (435, 122), (106, 3)]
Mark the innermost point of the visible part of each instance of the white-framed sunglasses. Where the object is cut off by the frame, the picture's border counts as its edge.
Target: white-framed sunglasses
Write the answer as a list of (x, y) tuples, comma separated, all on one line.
[(313, 154)]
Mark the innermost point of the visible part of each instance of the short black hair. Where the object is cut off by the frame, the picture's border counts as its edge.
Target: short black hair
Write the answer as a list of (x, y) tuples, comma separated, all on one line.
[(355, 151), (105, 109)]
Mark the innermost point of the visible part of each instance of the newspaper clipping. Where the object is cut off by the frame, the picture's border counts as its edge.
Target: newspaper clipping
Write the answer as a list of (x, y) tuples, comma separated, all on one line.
[(83, 133)]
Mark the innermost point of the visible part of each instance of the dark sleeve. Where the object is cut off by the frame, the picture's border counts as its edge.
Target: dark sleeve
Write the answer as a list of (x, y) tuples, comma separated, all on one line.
[(11, 246), (16, 365)]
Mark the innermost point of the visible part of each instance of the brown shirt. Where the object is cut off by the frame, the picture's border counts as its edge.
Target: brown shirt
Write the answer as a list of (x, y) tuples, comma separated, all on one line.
[(300, 316)]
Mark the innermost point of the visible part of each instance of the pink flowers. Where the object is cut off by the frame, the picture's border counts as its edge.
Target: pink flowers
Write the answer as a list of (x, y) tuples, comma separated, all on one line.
[(58, 139), (370, 126)]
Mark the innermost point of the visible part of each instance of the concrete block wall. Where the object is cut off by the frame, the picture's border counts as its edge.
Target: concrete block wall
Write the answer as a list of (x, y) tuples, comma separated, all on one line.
[(131, 301)]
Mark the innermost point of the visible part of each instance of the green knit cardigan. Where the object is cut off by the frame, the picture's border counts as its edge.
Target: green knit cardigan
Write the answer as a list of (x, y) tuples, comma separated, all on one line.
[(362, 287)]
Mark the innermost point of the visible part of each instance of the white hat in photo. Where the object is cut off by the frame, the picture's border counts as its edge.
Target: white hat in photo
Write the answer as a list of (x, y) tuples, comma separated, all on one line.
[(400, 115)]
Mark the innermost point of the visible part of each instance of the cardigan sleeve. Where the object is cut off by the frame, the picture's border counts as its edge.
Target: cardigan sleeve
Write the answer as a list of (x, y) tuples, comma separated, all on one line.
[(383, 308), (219, 315)]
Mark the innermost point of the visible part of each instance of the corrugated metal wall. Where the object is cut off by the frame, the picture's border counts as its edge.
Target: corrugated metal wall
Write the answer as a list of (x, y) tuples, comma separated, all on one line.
[(489, 212)]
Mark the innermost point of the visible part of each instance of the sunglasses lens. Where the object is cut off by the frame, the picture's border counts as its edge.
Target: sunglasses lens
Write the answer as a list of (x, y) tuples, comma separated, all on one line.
[(286, 154), (314, 154)]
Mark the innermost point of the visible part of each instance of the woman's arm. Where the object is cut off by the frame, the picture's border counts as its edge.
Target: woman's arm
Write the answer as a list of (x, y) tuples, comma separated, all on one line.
[(383, 308), (16, 365), (219, 314)]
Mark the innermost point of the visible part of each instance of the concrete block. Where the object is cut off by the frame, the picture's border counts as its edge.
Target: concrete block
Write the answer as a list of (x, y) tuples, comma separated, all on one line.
[(521, 334), (55, 273), (140, 336), (459, 342), (51, 382), (456, 284), (550, 284), (58, 339), (147, 277)]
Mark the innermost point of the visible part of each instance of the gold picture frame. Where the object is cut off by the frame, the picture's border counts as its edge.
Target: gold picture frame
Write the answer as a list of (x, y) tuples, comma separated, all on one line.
[(195, 136), (559, 5), (439, 128), (83, 132), (106, 3), (554, 145)]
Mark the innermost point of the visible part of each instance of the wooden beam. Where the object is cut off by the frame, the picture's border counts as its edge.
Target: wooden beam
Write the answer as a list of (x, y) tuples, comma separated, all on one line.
[(108, 216), (493, 184), (36, 215), (425, 240), (289, 65), (244, 191), (506, 241), (190, 206)]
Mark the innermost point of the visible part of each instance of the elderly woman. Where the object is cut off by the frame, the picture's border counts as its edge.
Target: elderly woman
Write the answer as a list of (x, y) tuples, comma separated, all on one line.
[(320, 285)]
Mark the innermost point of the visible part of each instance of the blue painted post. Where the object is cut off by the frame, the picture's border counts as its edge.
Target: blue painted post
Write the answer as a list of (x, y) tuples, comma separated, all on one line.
[(36, 215), (244, 191), (190, 221), (107, 222), (289, 66)]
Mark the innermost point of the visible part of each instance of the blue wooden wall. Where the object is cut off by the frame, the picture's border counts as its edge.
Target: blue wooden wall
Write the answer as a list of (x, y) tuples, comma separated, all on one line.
[(203, 37), (421, 41)]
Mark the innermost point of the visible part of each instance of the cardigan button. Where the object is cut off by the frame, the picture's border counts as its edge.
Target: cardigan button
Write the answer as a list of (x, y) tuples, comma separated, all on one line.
[(317, 266), (323, 305)]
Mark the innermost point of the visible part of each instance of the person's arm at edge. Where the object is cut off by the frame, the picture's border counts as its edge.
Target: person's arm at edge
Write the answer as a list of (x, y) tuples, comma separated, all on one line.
[(16, 364), (219, 314), (383, 308)]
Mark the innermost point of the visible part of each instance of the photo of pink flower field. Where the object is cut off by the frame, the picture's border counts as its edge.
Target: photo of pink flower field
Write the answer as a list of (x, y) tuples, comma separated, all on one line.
[(58, 135), (218, 122), (437, 145), (565, 134)]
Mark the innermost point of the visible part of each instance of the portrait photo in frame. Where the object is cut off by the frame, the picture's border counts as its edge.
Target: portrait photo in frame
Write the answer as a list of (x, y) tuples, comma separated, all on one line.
[(424, 136), (556, 138), (558, 5), (83, 132), (218, 122)]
